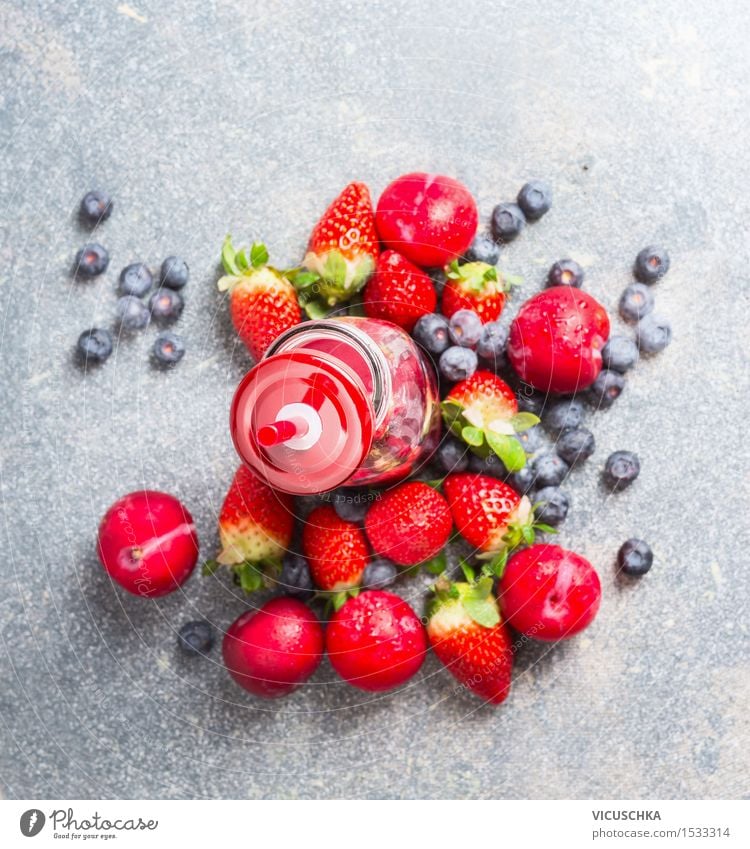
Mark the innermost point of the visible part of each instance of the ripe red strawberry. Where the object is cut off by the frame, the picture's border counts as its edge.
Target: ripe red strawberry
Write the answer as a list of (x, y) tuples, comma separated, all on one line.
[(376, 641), (263, 302), (335, 549), (255, 527), (399, 291), (270, 651), (428, 218), (409, 524), (549, 593), (342, 251), (483, 411), (470, 640), (475, 286), (556, 340), (487, 512)]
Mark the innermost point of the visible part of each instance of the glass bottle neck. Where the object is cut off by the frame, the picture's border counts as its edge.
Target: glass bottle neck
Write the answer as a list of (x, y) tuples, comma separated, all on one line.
[(340, 341)]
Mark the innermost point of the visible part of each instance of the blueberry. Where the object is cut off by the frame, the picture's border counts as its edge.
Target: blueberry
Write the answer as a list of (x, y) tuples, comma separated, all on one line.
[(351, 504), (196, 637), (523, 480), (507, 222), (490, 465), (174, 273), (91, 260), (529, 400), (491, 344), (621, 469), (379, 573), (437, 275), (95, 345), (295, 578), (620, 354), (653, 334), (483, 249), (166, 305), (431, 332), (457, 363), (553, 505), (132, 313), (535, 199), (549, 470), (135, 280), (561, 414), (651, 264), (452, 455), (95, 207), (465, 328), (636, 301), (575, 445), (168, 349), (530, 439), (606, 389), (635, 557), (565, 272)]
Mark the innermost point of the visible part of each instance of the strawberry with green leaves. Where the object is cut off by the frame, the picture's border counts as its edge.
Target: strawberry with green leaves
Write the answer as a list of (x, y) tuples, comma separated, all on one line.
[(469, 638), (482, 410), (341, 253), (475, 286), (255, 528), (336, 551), (491, 515), (263, 302)]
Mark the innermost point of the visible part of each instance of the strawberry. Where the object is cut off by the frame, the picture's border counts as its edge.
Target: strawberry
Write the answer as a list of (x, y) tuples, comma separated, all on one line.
[(475, 286), (263, 302), (336, 551), (409, 524), (255, 528), (342, 252), (483, 411), (556, 340), (399, 291), (489, 514), (467, 635)]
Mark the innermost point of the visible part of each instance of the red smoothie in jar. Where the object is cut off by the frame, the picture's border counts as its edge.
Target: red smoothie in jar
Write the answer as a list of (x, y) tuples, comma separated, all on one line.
[(340, 401)]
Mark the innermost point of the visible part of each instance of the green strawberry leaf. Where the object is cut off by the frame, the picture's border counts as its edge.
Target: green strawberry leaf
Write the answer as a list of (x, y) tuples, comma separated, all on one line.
[(467, 570), (338, 600), (452, 270), (249, 576), (210, 566), (527, 532), (241, 261), (435, 484), (472, 436), (334, 270), (357, 309), (498, 563), (508, 449), (513, 279), (227, 258), (479, 603), (546, 529), (315, 309), (258, 254), (302, 279), (491, 273), (435, 566), (523, 421)]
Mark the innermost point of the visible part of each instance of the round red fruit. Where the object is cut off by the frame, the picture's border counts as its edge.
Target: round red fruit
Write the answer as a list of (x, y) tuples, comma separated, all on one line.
[(148, 543), (376, 641), (270, 651), (409, 524), (549, 593), (429, 218), (399, 291), (556, 340)]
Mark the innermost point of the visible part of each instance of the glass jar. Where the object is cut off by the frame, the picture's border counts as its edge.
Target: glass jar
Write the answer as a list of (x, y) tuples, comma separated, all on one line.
[(340, 401)]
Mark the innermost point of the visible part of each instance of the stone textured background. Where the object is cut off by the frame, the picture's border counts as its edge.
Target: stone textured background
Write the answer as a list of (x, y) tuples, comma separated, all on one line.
[(208, 117)]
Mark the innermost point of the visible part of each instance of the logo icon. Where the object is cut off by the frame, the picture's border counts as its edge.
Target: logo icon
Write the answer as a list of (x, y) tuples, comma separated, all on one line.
[(32, 822)]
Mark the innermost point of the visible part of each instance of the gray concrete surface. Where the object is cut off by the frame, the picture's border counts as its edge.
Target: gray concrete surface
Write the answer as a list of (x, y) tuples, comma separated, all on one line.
[(245, 117)]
